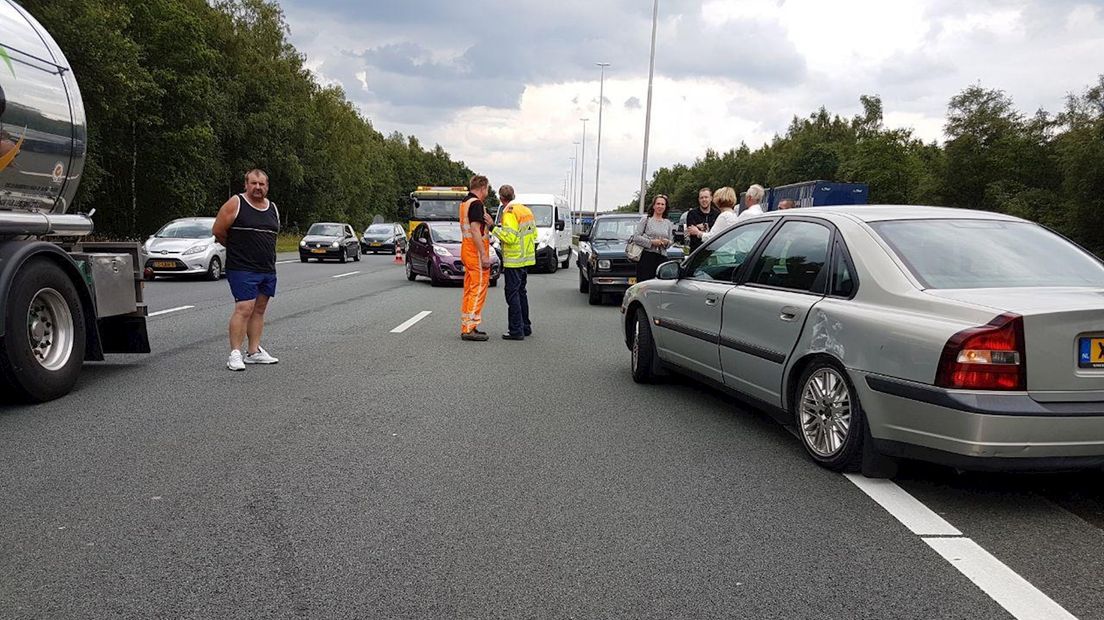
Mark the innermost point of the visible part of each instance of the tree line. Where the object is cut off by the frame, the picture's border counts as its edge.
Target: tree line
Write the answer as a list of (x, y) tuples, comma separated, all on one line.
[(183, 96), (1045, 167)]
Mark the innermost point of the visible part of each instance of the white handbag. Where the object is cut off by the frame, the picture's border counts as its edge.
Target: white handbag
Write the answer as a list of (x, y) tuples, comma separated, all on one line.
[(633, 252)]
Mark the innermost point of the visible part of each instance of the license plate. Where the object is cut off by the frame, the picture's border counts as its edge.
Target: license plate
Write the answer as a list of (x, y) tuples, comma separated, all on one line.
[(164, 264), (319, 251), (1091, 353), (632, 281), (376, 245)]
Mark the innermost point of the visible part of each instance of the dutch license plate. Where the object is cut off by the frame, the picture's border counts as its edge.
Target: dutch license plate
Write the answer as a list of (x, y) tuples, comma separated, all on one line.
[(632, 281), (1091, 353), (318, 251), (163, 264), (376, 245)]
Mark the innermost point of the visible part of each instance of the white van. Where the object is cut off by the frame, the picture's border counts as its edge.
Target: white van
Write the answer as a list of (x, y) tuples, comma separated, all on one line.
[(552, 217)]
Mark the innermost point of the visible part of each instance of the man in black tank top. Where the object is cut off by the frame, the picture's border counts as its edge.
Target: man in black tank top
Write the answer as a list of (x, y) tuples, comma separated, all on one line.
[(247, 225)]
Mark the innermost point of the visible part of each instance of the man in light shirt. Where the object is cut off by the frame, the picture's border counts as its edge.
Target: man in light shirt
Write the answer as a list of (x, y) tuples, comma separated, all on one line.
[(752, 198)]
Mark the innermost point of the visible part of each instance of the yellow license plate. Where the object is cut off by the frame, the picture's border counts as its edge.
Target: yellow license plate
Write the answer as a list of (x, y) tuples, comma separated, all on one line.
[(164, 264), (318, 251), (376, 244), (632, 281), (1091, 354)]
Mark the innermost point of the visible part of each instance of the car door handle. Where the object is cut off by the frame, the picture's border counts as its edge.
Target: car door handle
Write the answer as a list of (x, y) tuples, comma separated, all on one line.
[(788, 313), (710, 300)]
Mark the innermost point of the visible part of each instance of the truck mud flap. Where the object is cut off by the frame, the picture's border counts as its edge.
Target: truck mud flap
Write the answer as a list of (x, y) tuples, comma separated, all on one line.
[(124, 334)]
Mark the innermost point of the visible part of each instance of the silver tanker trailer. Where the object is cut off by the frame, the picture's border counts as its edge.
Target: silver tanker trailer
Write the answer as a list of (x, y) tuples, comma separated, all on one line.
[(62, 301)]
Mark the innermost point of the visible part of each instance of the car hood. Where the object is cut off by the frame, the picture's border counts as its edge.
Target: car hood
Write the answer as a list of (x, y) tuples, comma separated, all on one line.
[(1027, 301), (608, 247), (321, 238), (167, 244)]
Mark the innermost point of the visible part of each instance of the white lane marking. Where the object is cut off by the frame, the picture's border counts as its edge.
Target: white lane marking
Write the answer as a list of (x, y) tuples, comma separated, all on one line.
[(410, 323), (1011, 591), (342, 275), (160, 312), (906, 508), (1004, 585)]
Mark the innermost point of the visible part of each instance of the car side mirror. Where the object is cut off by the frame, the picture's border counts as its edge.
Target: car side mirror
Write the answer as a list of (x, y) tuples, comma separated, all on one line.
[(668, 270), (559, 224), (584, 237)]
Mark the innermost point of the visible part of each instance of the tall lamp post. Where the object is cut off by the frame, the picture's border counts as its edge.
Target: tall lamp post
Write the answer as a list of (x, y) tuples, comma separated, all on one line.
[(574, 180), (648, 112), (598, 155), (582, 164), (571, 196)]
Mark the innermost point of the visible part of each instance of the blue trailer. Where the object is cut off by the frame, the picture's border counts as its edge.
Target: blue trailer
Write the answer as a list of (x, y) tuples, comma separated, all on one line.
[(817, 194)]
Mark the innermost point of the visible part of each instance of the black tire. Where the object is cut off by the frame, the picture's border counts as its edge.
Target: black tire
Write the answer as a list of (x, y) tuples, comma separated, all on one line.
[(644, 361), (356, 255), (566, 262), (344, 256), (22, 375), (494, 282), (584, 284), (214, 269), (433, 280), (553, 263), (410, 275), (394, 250), (847, 456), (302, 259), (594, 295)]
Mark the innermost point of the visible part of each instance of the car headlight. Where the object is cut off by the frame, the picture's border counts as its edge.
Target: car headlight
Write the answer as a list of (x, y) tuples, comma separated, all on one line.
[(334, 244), (440, 251), (604, 263), (302, 244), (195, 249)]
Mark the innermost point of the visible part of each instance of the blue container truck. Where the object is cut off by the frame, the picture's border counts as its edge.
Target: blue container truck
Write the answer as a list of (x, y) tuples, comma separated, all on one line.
[(817, 194)]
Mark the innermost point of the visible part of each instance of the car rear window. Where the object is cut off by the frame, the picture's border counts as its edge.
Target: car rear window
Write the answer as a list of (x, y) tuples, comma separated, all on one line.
[(988, 254)]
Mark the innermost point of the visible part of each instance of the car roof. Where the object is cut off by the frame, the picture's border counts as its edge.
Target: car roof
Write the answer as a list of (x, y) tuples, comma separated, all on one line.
[(331, 223), (536, 198), (432, 223), (610, 216), (192, 219), (882, 213)]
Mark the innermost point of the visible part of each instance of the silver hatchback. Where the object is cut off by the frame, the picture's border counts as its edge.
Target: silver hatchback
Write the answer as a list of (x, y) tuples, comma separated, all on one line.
[(185, 246), (964, 337)]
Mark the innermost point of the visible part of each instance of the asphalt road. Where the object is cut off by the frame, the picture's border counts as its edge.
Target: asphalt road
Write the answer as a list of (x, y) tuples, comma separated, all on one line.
[(373, 474)]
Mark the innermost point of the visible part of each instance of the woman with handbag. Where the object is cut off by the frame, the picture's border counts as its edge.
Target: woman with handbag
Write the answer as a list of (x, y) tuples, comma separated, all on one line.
[(651, 239)]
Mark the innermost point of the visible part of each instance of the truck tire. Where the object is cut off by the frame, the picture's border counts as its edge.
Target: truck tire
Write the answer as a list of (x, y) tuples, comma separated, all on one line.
[(44, 337)]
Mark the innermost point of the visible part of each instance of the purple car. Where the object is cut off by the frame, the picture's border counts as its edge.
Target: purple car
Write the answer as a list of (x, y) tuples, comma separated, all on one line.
[(434, 251)]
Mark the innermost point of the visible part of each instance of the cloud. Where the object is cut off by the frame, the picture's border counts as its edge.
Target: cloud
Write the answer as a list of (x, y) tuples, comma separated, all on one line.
[(632, 103)]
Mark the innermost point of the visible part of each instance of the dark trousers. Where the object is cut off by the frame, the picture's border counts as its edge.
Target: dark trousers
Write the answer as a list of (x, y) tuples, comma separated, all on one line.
[(517, 301), (647, 265)]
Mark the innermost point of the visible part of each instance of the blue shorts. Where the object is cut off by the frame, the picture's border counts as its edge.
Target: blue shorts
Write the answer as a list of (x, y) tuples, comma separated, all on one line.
[(246, 285)]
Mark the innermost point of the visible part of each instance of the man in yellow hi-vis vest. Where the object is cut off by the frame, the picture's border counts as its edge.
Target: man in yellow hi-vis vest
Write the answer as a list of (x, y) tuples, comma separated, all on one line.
[(517, 231)]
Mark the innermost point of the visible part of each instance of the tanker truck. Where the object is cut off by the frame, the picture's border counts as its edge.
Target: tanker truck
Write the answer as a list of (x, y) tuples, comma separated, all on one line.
[(63, 301)]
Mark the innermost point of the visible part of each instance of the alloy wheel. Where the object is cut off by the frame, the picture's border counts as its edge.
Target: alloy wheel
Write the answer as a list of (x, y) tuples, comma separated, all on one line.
[(825, 412), (50, 329)]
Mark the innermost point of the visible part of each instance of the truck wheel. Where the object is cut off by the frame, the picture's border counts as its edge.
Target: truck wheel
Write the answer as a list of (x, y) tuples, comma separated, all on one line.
[(44, 334)]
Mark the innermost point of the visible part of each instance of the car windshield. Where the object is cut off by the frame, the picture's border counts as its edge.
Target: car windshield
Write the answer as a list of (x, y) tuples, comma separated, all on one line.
[(619, 229), (431, 209), (959, 254), (379, 230), (542, 214), (446, 233), (326, 230), (186, 230)]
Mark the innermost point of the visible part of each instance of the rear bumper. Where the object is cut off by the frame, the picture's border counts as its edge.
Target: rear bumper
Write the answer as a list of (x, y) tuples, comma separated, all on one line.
[(980, 430)]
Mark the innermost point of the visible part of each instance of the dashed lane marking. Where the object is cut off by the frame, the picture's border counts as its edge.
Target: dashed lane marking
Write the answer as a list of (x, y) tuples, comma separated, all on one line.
[(178, 309), (1004, 585), (410, 322), (343, 275)]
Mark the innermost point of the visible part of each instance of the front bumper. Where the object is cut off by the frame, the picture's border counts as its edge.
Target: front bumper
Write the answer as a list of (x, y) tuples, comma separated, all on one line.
[(375, 246), (453, 269), (320, 252), (178, 265), (980, 430), (611, 283)]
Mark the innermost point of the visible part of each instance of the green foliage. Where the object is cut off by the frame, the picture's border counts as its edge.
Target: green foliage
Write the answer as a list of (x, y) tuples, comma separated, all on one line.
[(184, 96), (1049, 169)]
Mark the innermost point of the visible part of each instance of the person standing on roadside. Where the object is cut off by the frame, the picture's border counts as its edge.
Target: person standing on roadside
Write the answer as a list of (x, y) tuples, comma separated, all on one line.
[(725, 199), (247, 225), (653, 234), (786, 204), (752, 198), (517, 232), (475, 252), (700, 220)]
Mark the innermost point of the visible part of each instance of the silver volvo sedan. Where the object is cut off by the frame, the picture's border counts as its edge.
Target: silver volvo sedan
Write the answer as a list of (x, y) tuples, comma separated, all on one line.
[(963, 337)]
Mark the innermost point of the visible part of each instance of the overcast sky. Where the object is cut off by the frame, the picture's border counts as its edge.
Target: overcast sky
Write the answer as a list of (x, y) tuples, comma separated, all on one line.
[(502, 84)]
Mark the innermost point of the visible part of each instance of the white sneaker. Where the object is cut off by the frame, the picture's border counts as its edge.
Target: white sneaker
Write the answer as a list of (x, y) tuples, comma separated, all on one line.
[(235, 361), (260, 357)]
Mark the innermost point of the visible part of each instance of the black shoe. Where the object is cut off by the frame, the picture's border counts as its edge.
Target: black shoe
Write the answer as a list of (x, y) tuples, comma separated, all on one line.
[(528, 332), (477, 331), (474, 337), (512, 337)]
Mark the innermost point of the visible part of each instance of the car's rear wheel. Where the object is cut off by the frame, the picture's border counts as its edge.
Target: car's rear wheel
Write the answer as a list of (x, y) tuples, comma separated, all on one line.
[(645, 361), (830, 420), (214, 269), (584, 284)]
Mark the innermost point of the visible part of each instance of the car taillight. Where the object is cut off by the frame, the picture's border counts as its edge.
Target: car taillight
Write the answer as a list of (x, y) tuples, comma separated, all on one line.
[(990, 357)]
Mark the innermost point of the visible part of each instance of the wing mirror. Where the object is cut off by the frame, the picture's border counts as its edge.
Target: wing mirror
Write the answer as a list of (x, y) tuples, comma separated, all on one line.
[(559, 224), (668, 270), (584, 237)]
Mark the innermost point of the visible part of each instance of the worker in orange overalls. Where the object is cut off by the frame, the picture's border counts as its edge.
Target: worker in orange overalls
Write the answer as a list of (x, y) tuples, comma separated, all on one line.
[(475, 253)]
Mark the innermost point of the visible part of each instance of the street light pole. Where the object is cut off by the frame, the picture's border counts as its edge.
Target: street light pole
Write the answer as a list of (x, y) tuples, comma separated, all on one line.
[(648, 112), (598, 155), (571, 196), (574, 180), (582, 164)]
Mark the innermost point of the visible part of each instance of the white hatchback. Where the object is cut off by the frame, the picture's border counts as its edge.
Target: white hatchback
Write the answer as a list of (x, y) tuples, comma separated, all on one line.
[(185, 246)]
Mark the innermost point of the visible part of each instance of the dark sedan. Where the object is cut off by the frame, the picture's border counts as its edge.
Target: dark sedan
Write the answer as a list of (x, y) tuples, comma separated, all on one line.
[(383, 238), (330, 240), (603, 267), (435, 253)]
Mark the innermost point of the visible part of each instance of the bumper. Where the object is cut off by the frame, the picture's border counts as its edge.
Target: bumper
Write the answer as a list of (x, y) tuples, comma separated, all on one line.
[(986, 430), (320, 253), (608, 283), (377, 247), (179, 265), (454, 270)]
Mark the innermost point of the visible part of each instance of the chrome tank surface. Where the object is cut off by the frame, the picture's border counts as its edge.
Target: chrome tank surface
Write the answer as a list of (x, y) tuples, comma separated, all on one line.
[(43, 133)]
